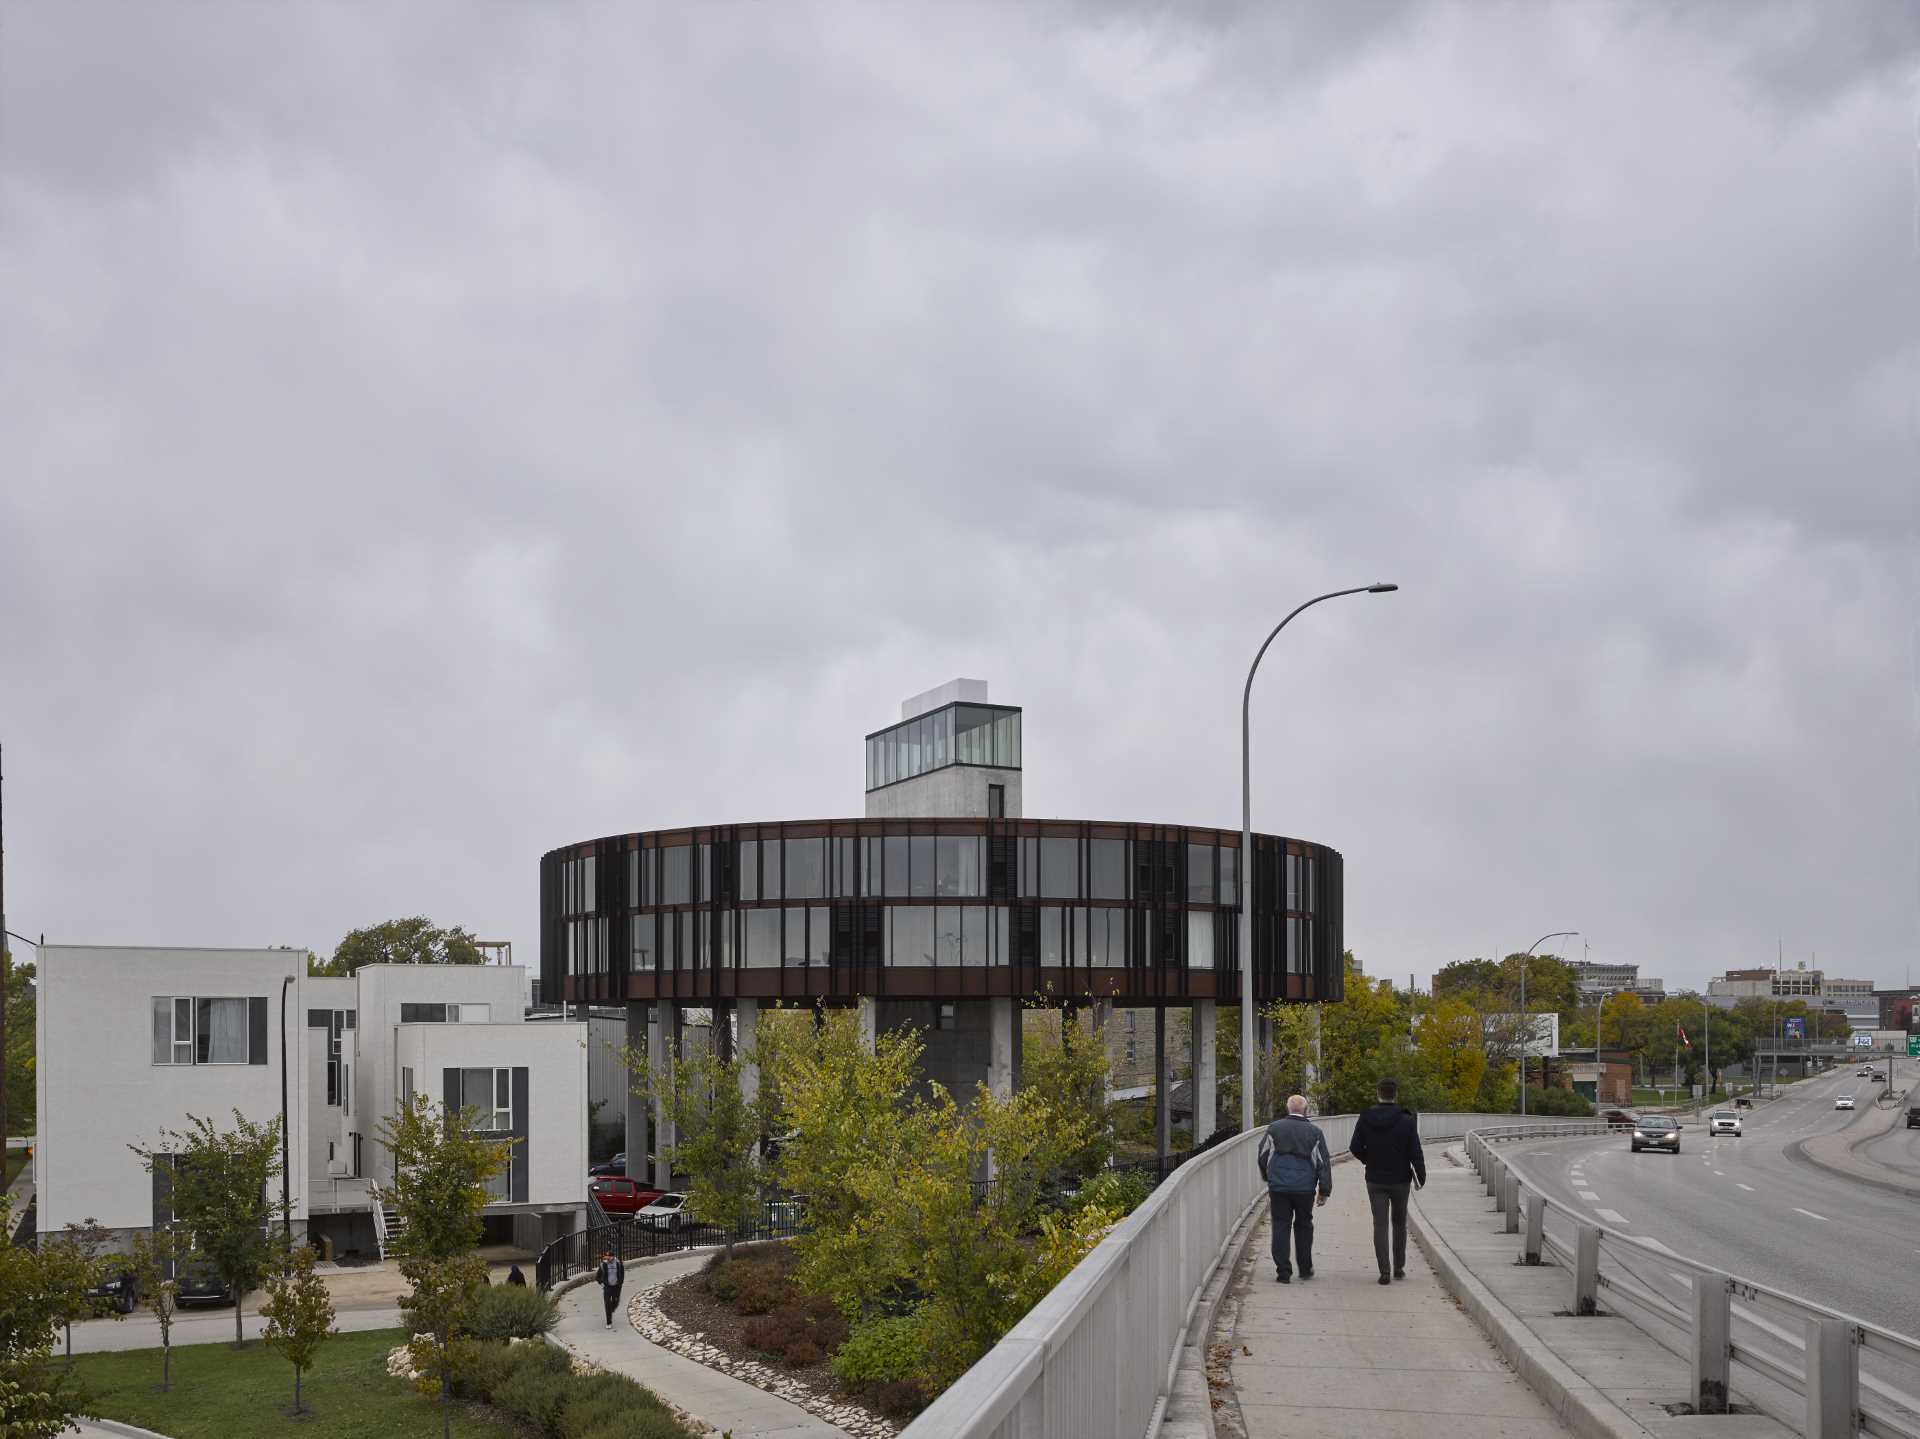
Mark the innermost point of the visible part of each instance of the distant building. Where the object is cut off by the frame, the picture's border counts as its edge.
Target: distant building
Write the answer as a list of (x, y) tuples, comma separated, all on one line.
[(1855, 998), (1597, 981)]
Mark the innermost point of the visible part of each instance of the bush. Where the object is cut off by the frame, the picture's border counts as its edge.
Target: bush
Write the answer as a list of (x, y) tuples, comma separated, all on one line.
[(510, 1311), (898, 1398), (535, 1394), (598, 1404), (879, 1351), (479, 1368), (1562, 1103), (1121, 1189), (801, 1353), (770, 1334), (752, 1286)]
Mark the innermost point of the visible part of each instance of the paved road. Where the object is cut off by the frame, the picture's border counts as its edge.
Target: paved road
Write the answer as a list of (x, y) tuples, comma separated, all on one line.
[(140, 1330), (1750, 1206), (1898, 1148)]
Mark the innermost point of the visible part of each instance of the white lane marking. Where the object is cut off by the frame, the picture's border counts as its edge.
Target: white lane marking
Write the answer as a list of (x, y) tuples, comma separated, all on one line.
[(1811, 1215), (1749, 1189), (1587, 1194), (1721, 1172), (1612, 1216)]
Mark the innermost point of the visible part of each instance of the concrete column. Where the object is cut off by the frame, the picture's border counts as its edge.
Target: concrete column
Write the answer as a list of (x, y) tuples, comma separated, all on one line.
[(869, 1023), (663, 1043), (1162, 1085), (747, 1012), (1003, 1064), (1102, 1018), (636, 1112), (1205, 1070)]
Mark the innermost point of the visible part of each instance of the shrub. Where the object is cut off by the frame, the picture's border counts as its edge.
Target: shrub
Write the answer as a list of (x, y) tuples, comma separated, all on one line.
[(1563, 1102), (801, 1353), (480, 1367), (510, 1311), (535, 1394), (762, 1293), (879, 1351), (1121, 1189), (898, 1398), (770, 1334), (598, 1405)]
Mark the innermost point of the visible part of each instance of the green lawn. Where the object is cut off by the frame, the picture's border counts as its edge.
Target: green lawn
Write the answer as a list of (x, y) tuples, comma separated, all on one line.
[(219, 1392)]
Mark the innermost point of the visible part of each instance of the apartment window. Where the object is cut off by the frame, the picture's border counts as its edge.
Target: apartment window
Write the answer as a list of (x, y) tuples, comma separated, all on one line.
[(1199, 939), (489, 1094), (996, 801), (189, 1029), (1109, 869), (676, 874), (406, 1085), (445, 1013), (806, 868), (1200, 888)]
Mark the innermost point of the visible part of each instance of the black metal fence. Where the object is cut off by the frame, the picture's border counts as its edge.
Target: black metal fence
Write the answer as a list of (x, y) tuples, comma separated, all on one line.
[(632, 1238)]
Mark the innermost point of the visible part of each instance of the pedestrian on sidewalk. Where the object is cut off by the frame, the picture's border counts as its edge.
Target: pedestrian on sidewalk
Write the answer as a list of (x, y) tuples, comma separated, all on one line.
[(612, 1275), (1386, 1139), (1294, 1162)]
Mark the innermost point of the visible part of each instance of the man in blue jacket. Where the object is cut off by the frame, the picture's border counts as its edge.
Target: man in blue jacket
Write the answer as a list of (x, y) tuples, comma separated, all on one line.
[(1294, 1162)]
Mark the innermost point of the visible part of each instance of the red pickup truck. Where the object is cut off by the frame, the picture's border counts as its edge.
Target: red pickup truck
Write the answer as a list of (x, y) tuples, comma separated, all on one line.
[(621, 1196)]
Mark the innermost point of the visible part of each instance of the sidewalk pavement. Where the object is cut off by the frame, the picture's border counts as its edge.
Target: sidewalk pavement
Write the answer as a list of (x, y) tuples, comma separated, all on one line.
[(714, 1398), (1603, 1373), (1340, 1356)]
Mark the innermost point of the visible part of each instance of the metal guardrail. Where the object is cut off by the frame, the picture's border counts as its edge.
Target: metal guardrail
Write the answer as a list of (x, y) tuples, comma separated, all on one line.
[(1827, 1374), (1096, 1357)]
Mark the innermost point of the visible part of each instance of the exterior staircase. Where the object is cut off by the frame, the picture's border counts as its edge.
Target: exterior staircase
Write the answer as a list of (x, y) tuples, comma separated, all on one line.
[(387, 1229)]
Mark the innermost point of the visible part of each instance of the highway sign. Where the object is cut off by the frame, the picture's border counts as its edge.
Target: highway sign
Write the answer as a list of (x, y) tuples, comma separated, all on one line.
[(1863, 1040), (1913, 1046)]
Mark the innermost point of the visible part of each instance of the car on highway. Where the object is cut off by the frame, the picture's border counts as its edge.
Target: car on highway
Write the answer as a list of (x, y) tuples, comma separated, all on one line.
[(1913, 1116), (1743, 1101), (1845, 1101), (617, 1195), (666, 1212), (1654, 1131), (1724, 1121)]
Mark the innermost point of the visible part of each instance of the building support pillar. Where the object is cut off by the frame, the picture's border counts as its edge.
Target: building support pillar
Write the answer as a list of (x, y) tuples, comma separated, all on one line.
[(869, 1023), (636, 1110), (1206, 1106), (1162, 1086), (663, 1045), (746, 1046), (1102, 1021)]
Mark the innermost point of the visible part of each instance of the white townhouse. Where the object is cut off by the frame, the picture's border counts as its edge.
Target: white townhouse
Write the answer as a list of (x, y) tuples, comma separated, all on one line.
[(131, 1041)]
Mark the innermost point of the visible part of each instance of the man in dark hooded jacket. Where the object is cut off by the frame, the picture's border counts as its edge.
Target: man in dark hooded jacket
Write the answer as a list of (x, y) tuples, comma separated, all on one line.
[(1386, 1138), (1294, 1161)]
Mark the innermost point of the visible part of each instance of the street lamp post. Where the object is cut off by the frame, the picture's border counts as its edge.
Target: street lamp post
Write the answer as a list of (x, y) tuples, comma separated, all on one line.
[(1245, 894), (1526, 1023)]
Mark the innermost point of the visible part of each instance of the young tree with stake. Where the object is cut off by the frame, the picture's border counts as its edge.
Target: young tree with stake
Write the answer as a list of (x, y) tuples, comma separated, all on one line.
[(157, 1257)]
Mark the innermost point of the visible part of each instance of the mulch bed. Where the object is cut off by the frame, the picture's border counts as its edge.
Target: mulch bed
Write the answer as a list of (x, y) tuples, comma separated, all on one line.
[(718, 1323)]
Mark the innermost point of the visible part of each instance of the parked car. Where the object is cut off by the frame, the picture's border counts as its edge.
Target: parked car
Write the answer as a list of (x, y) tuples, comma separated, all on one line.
[(618, 1195), (1724, 1121), (118, 1291), (1622, 1118), (667, 1211), (614, 1166), (198, 1284), (1655, 1132), (1744, 1101), (1845, 1101)]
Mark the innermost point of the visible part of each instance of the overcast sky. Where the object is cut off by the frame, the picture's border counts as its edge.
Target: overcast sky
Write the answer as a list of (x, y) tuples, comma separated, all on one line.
[(436, 433)]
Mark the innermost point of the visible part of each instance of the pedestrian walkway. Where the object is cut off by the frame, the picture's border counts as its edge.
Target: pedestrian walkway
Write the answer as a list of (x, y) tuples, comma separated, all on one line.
[(720, 1400), (1341, 1356)]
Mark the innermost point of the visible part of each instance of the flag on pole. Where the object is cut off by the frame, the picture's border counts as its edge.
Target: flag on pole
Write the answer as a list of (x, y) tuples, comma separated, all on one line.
[(1679, 1030)]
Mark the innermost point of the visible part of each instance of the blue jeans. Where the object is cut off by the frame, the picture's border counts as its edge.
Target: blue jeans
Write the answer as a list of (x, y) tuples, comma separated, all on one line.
[(1292, 1207)]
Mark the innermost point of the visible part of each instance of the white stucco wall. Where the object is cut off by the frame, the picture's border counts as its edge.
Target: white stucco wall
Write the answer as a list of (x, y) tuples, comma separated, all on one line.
[(555, 1055), (957, 791), (99, 1090)]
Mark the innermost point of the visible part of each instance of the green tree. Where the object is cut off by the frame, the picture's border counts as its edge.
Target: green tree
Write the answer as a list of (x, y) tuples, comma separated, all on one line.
[(1451, 1045), (157, 1257), (38, 1400), (220, 1188), (401, 941), (75, 1262), (718, 1135), (299, 1315), (19, 1058), (1069, 1067), (442, 1164)]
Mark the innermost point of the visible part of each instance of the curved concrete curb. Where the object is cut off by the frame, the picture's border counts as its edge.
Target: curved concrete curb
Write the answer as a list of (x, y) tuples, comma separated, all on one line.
[(1835, 1152), (1584, 1409), (129, 1431)]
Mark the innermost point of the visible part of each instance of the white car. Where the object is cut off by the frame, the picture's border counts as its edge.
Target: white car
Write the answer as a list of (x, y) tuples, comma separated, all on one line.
[(1724, 1121), (666, 1212), (1845, 1101)]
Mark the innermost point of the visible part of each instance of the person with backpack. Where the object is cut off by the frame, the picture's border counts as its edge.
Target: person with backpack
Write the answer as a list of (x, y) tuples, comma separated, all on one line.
[(1294, 1162), (1386, 1139), (612, 1276)]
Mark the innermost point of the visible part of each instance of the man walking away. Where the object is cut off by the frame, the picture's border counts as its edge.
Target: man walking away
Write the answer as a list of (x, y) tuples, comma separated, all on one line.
[(1386, 1138), (612, 1275), (1294, 1162)]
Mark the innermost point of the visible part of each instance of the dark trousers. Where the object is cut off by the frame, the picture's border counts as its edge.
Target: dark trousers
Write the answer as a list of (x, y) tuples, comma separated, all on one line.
[(611, 1293), (1292, 1208), (1389, 1200)]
